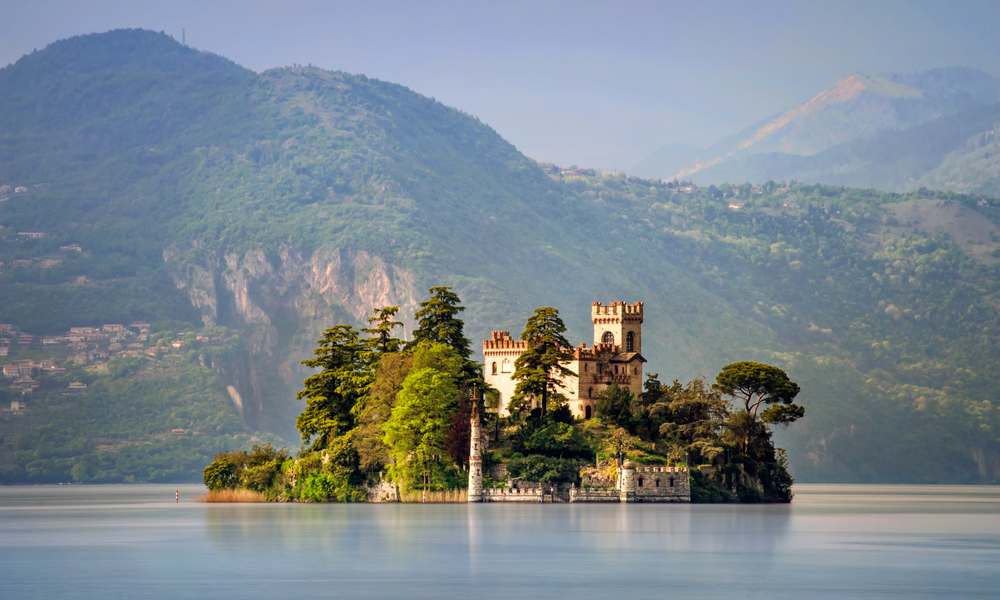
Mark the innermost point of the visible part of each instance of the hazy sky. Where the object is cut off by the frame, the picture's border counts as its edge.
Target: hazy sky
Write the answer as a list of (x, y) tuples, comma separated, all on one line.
[(599, 84)]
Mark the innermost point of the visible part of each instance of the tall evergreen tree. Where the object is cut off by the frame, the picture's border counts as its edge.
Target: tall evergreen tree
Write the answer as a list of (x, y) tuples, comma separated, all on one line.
[(331, 394), (437, 322), (538, 370)]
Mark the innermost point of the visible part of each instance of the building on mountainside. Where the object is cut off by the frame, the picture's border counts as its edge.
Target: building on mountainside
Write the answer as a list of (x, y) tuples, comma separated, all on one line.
[(20, 189), (735, 205), (76, 388), (757, 189), (11, 371), (71, 248), (32, 235), (112, 328), (614, 358)]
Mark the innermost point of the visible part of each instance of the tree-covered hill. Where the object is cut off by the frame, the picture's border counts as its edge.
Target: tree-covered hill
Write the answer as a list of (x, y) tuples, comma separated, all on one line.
[(282, 203)]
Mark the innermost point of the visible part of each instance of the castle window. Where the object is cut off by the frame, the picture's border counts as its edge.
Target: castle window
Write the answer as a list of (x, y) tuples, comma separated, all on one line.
[(587, 413), (609, 338), (494, 367), (630, 342), (590, 392), (657, 483), (671, 482), (616, 369), (640, 482), (505, 366)]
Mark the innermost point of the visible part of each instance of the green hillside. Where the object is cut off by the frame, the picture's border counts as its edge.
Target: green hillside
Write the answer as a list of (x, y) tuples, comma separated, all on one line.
[(280, 204)]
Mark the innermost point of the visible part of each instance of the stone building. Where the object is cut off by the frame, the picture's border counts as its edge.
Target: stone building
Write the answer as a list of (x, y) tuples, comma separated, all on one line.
[(615, 357)]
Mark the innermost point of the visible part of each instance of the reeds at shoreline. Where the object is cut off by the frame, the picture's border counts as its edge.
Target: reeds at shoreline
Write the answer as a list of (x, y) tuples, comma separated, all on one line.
[(227, 495)]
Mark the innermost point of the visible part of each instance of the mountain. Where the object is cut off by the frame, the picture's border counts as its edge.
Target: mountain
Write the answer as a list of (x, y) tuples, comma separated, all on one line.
[(846, 116), (256, 210)]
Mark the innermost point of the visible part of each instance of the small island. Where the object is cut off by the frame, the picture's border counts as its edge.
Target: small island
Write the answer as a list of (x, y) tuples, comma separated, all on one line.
[(541, 421)]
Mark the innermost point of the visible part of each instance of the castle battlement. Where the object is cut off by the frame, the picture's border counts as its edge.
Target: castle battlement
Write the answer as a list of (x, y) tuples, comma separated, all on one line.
[(596, 352), (615, 312), (501, 340)]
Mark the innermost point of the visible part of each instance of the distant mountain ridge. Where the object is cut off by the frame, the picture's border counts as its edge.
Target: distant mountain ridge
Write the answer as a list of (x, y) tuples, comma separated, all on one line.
[(851, 111)]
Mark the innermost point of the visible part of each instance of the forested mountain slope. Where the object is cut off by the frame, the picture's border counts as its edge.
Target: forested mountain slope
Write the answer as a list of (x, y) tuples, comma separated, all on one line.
[(283, 203)]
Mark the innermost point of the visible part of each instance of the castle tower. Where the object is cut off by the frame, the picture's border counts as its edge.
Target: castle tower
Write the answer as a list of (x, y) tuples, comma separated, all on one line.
[(618, 324), (626, 482), (475, 455)]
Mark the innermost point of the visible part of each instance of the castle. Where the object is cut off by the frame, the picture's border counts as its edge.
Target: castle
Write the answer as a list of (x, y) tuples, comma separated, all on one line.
[(616, 357)]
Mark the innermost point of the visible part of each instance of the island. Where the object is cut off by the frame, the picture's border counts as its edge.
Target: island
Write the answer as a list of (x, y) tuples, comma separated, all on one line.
[(541, 420)]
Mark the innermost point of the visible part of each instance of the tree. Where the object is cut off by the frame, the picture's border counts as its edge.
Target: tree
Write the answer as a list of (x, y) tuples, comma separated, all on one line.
[(538, 370), (437, 322), (614, 405), (221, 474), (332, 393), (693, 414), (754, 384), (390, 374), (417, 431)]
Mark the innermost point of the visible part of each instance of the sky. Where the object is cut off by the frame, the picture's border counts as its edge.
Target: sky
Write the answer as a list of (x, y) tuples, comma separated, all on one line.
[(595, 84)]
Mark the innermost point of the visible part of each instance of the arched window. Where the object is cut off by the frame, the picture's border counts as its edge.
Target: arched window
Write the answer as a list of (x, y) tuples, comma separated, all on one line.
[(640, 482), (505, 366), (494, 367), (630, 342), (608, 338), (587, 413)]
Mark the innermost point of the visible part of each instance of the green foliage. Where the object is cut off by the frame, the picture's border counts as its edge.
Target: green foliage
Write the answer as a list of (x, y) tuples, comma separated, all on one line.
[(219, 474), (614, 405), (539, 369), (416, 433), (561, 440), (546, 469), (437, 322), (332, 393)]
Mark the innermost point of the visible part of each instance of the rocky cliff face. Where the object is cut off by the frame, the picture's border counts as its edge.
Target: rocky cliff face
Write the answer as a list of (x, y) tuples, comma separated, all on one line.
[(282, 303)]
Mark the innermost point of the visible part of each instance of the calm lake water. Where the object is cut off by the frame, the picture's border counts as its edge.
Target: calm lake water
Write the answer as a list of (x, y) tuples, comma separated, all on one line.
[(833, 541)]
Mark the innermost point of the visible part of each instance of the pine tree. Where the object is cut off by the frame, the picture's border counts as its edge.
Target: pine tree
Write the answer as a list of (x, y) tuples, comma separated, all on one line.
[(332, 393), (437, 322), (538, 370)]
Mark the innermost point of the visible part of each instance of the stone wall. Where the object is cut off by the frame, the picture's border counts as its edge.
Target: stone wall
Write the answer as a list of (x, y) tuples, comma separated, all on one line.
[(531, 494), (644, 483), (594, 495), (383, 491)]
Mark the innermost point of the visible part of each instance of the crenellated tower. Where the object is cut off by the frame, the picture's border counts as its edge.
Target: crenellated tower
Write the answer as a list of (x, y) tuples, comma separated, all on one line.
[(618, 323)]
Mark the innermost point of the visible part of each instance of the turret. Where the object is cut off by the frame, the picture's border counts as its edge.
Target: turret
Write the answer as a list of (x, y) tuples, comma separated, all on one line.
[(475, 455)]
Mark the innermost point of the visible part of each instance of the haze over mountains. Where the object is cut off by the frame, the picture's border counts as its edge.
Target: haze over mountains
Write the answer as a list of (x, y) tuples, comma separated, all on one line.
[(892, 132), (268, 207)]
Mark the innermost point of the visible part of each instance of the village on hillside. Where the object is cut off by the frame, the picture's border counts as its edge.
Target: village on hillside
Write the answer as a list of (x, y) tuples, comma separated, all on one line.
[(78, 347)]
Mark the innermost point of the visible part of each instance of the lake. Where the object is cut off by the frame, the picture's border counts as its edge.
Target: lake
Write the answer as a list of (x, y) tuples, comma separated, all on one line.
[(833, 541)]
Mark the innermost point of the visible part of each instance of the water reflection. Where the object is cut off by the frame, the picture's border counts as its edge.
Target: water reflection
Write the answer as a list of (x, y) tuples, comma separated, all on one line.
[(833, 541)]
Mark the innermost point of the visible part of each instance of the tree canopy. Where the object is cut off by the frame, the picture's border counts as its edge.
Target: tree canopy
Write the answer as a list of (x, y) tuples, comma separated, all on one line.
[(539, 370)]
